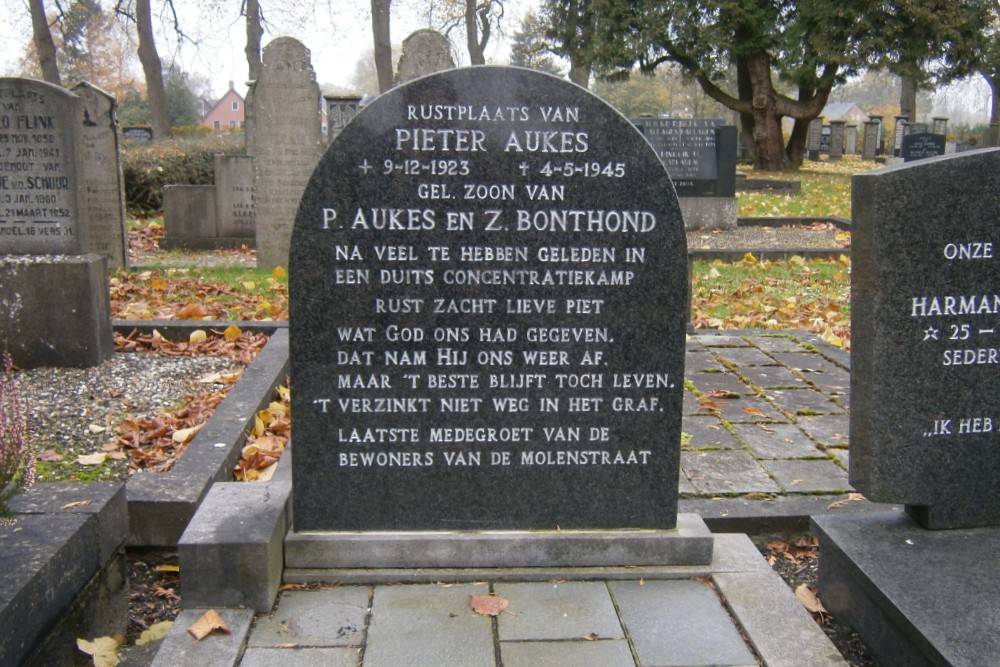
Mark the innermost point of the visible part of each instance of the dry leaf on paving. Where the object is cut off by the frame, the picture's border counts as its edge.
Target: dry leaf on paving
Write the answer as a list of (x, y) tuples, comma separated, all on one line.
[(50, 455), (488, 605), (592, 637), (209, 622), (78, 503), (92, 459), (103, 650), (851, 497), (155, 632), (808, 598)]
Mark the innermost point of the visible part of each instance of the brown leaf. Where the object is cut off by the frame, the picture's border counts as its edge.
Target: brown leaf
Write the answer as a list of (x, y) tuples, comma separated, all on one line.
[(50, 455), (592, 637), (808, 598), (209, 622), (488, 605), (78, 503), (722, 393), (751, 410)]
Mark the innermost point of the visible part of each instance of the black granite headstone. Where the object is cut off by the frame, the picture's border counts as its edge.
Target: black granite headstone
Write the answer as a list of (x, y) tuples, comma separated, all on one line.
[(925, 311), (919, 146), (137, 133), (487, 293)]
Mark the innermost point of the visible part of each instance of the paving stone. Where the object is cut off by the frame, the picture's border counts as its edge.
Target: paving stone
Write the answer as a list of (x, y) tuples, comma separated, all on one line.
[(827, 430), (679, 623), (701, 361), (802, 402), (726, 472), (778, 343), (568, 610), (713, 340), (744, 356), (761, 602), (430, 625), (707, 382), (684, 486), (767, 377), (748, 409), (216, 650), (300, 657), (707, 433), (610, 653), (842, 456), (690, 404), (776, 441), (315, 618), (808, 476)]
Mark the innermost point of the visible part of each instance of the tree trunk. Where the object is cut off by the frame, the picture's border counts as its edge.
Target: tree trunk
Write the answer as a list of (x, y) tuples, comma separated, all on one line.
[(44, 46), (766, 120), (476, 56), (579, 74), (254, 32), (908, 97), (796, 148), (153, 70), (383, 43)]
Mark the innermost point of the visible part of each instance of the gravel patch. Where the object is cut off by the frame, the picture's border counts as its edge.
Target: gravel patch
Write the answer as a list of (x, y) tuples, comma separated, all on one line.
[(766, 238), (75, 411)]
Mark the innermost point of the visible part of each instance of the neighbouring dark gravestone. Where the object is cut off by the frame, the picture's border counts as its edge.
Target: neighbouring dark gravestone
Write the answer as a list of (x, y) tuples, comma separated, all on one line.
[(814, 138), (922, 145), (340, 110), (189, 217), (870, 144), (286, 143), (837, 139), (488, 300), (102, 191), (925, 310), (695, 154)]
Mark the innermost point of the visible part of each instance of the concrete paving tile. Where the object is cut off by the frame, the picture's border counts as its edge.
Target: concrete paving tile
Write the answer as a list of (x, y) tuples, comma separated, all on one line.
[(769, 377), (679, 623), (303, 657), (803, 402), (809, 476), (707, 433), (708, 382), (778, 343), (428, 625), (827, 429), (778, 626), (726, 472), (684, 486), (713, 340), (609, 653), (215, 650), (776, 441), (841, 455), (690, 404), (315, 618), (748, 409), (700, 361), (744, 356), (567, 610), (811, 363)]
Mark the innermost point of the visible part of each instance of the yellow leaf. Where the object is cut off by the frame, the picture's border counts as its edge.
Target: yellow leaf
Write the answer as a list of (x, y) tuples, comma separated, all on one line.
[(209, 622), (285, 393), (276, 408), (797, 260), (267, 473), (279, 273), (185, 434), (104, 650), (805, 595), (197, 336), (749, 258), (233, 332), (249, 285), (167, 568), (159, 284), (92, 459), (155, 632), (258, 426)]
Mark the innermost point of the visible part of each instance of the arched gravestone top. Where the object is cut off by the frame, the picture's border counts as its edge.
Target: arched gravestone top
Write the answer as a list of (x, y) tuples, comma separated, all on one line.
[(488, 286)]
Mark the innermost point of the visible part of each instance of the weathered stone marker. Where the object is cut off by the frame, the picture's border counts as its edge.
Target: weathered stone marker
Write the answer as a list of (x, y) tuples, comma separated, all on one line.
[(488, 287), (285, 139), (925, 425)]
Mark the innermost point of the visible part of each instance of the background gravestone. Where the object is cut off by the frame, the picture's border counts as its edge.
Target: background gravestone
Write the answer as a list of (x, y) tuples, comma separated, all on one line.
[(487, 293), (235, 208), (424, 52), (102, 191), (286, 143), (922, 145), (925, 325)]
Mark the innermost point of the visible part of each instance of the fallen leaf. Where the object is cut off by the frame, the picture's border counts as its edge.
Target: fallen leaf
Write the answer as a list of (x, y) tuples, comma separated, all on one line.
[(155, 632), (198, 335), (592, 637), (96, 428), (488, 605), (50, 455), (851, 497), (278, 273), (232, 332), (78, 503), (751, 410), (808, 598), (209, 622), (192, 311), (92, 459), (167, 568), (185, 434), (104, 650)]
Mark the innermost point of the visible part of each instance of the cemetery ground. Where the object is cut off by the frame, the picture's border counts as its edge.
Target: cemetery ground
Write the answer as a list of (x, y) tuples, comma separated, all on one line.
[(791, 293)]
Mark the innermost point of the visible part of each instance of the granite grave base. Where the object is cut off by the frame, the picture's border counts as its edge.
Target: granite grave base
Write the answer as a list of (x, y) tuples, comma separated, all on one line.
[(915, 596), (690, 543), (56, 310), (708, 212)]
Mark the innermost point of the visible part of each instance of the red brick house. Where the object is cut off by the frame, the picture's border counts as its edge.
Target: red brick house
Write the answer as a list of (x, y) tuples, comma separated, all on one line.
[(228, 114)]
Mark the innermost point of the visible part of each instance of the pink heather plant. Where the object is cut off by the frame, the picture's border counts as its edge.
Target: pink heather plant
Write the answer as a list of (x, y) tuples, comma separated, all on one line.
[(17, 461)]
